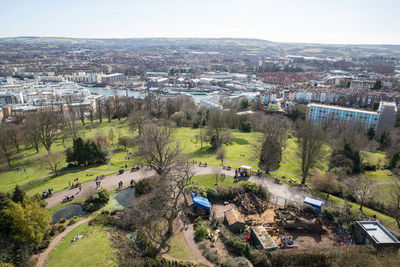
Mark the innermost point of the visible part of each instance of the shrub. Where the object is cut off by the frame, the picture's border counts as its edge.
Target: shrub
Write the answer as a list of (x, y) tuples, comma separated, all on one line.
[(368, 167), (259, 259), (200, 233), (310, 210), (62, 220), (238, 247), (236, 262), (96, 201), (328, 214), (212, 255), (71, 222), (143, 187), (61, 228)]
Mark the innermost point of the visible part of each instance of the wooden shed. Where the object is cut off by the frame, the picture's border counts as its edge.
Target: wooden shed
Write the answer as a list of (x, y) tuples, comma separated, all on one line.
[(234, 221)]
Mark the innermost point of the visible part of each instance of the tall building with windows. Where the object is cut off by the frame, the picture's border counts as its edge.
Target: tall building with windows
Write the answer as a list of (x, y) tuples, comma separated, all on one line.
[(385, 116)]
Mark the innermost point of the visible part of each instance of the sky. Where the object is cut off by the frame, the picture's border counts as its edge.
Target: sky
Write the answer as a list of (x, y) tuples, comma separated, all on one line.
[(307, 21)]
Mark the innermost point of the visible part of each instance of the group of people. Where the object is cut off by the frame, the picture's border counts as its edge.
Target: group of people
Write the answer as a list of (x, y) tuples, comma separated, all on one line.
[(67, 198), (205, 164), (120, 184)]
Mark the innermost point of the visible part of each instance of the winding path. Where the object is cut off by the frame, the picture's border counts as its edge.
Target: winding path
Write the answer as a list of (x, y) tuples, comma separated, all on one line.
[(43, 256)]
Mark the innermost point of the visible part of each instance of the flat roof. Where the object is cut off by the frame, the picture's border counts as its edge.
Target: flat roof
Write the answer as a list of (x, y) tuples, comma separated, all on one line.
[(344, 109), (377, 232)]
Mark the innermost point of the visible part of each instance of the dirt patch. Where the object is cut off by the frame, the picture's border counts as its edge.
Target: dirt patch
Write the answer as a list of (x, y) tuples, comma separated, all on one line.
[(305, 239), (219, 209)]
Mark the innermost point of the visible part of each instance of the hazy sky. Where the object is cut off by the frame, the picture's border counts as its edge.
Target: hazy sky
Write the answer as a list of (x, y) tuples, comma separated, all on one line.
[(324, 21)]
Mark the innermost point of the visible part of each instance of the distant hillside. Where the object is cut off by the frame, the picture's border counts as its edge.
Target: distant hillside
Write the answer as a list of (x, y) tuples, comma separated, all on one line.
[(321, 50)]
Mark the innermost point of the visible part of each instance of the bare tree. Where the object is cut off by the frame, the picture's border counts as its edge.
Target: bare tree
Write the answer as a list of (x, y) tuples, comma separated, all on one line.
[(109, 109), (70, 127), (268, 147), (395, 202), (137, 119), (326, 183), (221, 154), (361, 189), (14, 134), (32, 136), (53, 162), (81, 114), (91, 114), (157, 148), (48, 127), (99, 110), (159, 208), (124, 141), (219, 176), (310, 147), (111, 135), (6, 146)]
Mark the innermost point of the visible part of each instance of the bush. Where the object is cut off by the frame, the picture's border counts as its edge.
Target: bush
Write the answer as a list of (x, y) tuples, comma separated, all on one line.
[(97, 201), (368, 167), (106, 220), (259, 259), (310, 210), (61, 228), (236, 262), (212, 255), (62, 220), (328, 214), (221, 192), (143, 187), (200, 233), (71, 222), (238, 247)]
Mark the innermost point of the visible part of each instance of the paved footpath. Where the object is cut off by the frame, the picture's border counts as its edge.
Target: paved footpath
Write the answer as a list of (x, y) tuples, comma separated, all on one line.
[(111, 182)]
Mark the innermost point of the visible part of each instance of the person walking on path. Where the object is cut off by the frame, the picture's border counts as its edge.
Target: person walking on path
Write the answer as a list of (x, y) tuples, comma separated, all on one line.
[(80, 187)]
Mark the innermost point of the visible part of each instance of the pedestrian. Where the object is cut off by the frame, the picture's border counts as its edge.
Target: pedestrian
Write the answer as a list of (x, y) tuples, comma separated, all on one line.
[(126, 165), (99, 184), (80, 187), (132, 183)]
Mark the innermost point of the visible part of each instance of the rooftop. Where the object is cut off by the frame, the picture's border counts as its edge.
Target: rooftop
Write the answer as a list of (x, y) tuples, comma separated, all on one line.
[(342, 108), (377, 232)]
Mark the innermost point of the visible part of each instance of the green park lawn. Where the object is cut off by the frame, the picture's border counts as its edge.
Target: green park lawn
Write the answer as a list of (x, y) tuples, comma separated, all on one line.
[(179, 248), (208, 180), (93, 249), (240, 152)]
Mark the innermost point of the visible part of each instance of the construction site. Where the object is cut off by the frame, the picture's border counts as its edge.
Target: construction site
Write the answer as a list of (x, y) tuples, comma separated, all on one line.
[(276, 225)]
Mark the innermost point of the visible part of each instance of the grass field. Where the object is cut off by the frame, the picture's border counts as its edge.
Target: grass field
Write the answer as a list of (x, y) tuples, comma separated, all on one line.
[(179, 249), (208, 180), (238, 153), (93, 249)]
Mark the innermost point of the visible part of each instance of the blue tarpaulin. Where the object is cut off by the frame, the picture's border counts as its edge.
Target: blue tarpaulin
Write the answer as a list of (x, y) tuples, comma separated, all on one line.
[(201, 202), (314, 203)]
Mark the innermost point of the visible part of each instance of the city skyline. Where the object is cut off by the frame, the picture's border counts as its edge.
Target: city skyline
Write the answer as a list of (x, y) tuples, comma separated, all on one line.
[(311, 21)]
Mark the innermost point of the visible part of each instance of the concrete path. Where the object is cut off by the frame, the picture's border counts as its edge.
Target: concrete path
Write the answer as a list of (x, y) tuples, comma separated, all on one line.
[(111, 182), (108, 182)]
